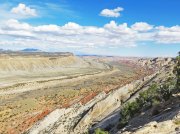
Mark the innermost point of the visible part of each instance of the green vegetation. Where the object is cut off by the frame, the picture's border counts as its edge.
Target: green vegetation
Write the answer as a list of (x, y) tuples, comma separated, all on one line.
[(177, 72), (100, 131), (151, 97), (154, 95)]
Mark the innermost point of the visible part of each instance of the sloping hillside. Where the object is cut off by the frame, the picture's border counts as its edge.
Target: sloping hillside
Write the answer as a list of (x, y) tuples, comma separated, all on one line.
[(152, 109), (39, 87)]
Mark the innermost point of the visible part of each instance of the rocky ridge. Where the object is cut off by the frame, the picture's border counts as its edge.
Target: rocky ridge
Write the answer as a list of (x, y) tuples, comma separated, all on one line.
[(81, 118), (78, 118)]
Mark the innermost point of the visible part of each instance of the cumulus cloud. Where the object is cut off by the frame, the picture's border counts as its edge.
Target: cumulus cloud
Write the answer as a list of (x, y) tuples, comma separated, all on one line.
[(73, 35), (16, 25), (141, 26), (47, 28), (14, 28), (23, 10), (167, 34), (112, 12)]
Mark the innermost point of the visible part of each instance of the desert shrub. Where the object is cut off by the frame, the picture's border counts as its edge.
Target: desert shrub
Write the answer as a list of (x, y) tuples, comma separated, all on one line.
[(127, 112), (165, 92), (155, 101), (177, 72), (151, 97), (100, 131)]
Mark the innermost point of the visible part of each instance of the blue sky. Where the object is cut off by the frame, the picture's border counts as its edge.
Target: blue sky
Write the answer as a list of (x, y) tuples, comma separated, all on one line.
[(86, 12), (105, 27)]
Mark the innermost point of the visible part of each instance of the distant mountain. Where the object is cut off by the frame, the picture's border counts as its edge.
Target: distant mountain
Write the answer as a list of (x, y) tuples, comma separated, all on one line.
[(84, 54), (31, 50)]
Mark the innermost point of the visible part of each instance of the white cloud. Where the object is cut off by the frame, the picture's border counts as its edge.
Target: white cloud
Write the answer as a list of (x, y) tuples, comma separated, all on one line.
[(141, 26), (167, 34), (47, 28), (16, 25), (72, 25), (14, 28), (110, 25), (23, 10), (111, 12), (73, 35)]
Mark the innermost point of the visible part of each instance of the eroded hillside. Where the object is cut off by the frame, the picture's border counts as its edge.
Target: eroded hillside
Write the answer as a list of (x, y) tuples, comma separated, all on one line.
[(102, 110), (34, 85), (153, 108)]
